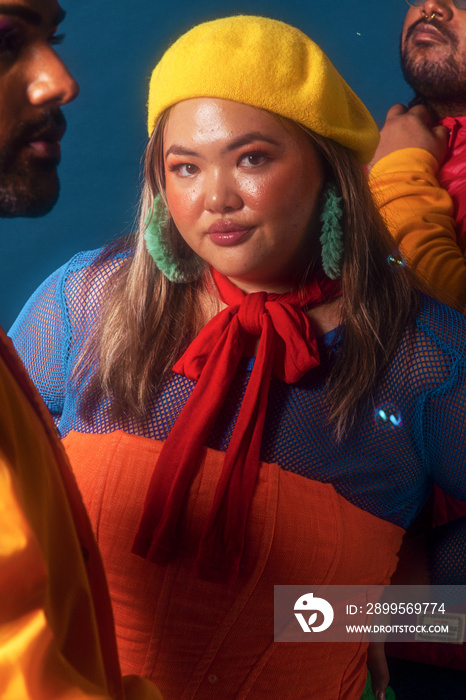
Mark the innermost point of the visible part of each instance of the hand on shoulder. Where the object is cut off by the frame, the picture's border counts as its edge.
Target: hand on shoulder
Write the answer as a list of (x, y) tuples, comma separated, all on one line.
[(411, 128)]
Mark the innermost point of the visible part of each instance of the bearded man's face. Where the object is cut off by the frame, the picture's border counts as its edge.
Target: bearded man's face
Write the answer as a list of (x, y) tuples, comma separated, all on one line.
[(34, 84)]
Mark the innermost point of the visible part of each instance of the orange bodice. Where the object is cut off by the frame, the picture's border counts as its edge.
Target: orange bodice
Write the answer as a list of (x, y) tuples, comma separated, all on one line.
[(205, 640)]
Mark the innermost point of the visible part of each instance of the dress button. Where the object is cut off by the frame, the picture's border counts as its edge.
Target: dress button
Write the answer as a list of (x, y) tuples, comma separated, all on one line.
[(212, 678)]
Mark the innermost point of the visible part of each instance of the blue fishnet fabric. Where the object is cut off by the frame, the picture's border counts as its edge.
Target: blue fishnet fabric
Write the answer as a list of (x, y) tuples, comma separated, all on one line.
[(411, 433)]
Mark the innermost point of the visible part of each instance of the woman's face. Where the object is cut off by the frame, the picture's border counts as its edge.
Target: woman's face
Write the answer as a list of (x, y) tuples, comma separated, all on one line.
[(242, 189)]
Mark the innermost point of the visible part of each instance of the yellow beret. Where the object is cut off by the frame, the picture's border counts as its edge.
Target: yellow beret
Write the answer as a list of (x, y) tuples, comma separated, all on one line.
[(267, 64)]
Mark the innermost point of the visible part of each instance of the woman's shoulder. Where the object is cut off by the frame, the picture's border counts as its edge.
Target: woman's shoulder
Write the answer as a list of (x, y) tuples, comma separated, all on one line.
[(89, 271), (84, 279), (442, 327), (431, 355), (100, 261)]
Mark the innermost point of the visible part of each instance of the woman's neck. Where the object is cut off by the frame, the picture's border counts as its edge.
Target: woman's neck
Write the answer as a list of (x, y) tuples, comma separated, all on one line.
[(325, 317)]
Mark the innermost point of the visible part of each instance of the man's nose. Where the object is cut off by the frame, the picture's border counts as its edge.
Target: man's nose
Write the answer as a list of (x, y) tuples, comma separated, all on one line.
[(50, 82), (440, 9)]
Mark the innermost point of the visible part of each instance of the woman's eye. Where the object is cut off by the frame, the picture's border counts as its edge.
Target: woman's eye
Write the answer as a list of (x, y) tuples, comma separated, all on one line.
[(183, 169), (251, 159)]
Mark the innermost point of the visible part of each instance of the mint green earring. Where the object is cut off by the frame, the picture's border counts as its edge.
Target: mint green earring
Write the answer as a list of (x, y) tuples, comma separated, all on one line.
[(331, 238), (162, 249)]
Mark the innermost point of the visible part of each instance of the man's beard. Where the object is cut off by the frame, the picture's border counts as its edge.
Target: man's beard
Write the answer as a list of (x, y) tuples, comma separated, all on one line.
[(29, 186), (442, 81), (29, 191)]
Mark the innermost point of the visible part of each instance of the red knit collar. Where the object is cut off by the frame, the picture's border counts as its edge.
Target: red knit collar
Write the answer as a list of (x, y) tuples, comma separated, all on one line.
[(288, 349)]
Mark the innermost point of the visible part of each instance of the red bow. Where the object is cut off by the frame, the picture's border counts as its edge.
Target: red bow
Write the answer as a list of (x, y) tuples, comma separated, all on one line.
[(288, 348)]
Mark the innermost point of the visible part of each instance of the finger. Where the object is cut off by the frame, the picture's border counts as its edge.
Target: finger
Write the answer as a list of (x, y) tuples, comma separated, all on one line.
[(422, 113), (379, 689), (442, 133), (378, 693), (378, 667), (396, 111)]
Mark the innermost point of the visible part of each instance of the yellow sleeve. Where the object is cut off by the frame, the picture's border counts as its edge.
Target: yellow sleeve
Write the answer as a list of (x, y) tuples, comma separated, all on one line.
[(50, 640), (31, 665), (419, 215)]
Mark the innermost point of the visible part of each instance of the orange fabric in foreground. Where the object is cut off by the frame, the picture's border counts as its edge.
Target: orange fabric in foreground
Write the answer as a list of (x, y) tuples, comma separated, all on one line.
[(198, 639)]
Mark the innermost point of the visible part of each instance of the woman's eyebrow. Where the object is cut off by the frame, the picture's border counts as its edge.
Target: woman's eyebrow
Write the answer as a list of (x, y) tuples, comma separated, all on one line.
[(249, 138), (180, 151), (243, 140)]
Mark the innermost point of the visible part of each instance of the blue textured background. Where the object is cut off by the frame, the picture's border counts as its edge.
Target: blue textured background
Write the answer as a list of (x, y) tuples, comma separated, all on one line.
[(111, 47)]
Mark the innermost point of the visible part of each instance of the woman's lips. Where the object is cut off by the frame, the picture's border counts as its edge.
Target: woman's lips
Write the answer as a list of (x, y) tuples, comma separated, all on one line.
[(228, 233)]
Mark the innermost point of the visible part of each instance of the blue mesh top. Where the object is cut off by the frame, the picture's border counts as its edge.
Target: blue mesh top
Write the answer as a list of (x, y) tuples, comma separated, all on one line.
[(411, 433)]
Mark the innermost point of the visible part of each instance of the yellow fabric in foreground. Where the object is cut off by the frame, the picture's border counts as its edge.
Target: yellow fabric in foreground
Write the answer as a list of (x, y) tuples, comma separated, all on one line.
[(267, 64), (51, 645)]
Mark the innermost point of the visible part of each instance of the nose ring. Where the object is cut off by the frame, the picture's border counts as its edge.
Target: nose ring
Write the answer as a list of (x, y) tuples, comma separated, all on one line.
[(429, 17)]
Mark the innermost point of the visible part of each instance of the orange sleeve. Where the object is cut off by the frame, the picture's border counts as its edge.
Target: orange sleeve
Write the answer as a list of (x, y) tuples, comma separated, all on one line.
[(419, 215)]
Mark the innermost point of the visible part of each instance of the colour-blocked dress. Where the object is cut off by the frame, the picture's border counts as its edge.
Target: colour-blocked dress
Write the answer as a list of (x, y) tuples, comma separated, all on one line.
[(322, 513)]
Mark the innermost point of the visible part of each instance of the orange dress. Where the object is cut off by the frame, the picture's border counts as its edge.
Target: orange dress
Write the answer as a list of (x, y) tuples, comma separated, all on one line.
[(206, 640)]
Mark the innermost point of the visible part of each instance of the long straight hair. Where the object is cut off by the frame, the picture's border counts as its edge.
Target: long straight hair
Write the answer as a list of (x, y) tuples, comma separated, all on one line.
[(147, 321)]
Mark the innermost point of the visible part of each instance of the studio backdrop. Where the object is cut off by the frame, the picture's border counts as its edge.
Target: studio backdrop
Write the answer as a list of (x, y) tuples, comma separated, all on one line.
[(111, 47)]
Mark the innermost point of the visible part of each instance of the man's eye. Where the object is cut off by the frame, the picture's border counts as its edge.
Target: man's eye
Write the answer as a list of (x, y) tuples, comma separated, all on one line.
[(56, 39), (10, 39)]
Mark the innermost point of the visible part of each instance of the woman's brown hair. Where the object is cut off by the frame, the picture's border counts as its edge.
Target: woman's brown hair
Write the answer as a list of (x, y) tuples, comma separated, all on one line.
[(147, 321)]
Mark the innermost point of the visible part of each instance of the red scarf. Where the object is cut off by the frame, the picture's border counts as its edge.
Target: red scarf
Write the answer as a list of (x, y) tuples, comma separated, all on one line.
[(288, 348)]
